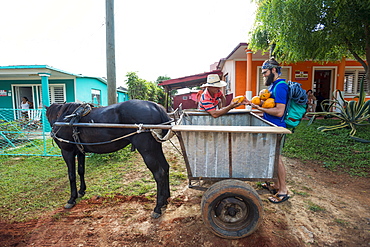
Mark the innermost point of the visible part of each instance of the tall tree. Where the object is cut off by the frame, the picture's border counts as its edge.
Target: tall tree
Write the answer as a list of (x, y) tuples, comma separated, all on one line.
[(144, 90), (318, 30), (161, 92), (137, 88)]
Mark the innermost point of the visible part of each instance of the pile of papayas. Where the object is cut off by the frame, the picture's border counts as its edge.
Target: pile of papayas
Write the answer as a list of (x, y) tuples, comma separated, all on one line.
[(263, 99)]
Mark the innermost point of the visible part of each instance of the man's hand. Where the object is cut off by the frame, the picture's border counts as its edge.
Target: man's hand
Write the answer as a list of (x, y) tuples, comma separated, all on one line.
[(235, 104), (246, 101)]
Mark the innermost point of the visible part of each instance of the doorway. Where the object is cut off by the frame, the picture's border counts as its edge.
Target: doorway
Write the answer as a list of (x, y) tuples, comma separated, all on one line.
[(20, 92), (322, 86)]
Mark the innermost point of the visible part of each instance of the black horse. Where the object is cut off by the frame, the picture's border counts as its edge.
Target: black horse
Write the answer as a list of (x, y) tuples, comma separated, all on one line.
[(98, 140)]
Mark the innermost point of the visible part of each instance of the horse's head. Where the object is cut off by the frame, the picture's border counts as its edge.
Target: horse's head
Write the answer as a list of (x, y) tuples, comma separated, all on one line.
[(52, 112), (57, 112)]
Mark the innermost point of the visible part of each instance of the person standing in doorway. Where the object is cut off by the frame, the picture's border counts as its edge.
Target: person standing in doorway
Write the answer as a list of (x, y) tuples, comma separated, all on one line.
[(25, 106)]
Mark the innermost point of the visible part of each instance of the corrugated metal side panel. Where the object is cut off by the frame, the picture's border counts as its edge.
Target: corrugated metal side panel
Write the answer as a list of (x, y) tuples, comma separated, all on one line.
[(207, 153), (253, 155)]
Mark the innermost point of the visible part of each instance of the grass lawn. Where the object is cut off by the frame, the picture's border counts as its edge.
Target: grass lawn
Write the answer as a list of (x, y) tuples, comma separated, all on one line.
[(335, 150)]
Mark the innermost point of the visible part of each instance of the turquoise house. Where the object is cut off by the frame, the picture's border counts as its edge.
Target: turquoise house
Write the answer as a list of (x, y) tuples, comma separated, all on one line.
[(32, 81)]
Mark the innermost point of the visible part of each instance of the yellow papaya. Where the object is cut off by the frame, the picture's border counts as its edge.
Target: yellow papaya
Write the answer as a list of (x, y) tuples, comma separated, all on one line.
[(264, 94), (269, 103), (238, 99), (256, 100)]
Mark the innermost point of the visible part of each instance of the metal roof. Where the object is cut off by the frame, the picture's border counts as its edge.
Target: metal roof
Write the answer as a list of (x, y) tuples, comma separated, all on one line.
[(188, 81), (32, 72)]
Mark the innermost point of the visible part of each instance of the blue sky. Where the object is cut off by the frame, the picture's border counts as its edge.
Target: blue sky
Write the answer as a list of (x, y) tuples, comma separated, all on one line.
[(153, 38)]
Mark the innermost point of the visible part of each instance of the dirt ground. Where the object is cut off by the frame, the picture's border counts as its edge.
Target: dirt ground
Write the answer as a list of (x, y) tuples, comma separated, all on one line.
[(325, 209)]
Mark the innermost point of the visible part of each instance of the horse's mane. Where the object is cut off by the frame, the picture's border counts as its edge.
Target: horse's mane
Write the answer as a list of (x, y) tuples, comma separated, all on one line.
[(67, 108)]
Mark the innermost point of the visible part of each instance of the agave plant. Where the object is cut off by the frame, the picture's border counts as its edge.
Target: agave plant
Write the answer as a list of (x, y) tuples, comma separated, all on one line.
[(350, 113)]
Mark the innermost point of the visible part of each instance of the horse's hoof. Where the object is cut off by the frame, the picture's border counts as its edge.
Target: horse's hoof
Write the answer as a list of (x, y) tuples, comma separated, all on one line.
[(69, 205), (80, 194), (156, 215)]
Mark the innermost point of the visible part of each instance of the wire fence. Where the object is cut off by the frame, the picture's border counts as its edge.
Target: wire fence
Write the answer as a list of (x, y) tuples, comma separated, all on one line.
[(26, 132)]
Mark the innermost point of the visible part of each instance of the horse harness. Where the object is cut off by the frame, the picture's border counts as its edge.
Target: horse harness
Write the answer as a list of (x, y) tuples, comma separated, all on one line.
[(84, 110)]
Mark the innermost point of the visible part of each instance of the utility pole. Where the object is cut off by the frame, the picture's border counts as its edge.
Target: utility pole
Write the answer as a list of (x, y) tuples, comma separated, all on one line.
[(111, 52)]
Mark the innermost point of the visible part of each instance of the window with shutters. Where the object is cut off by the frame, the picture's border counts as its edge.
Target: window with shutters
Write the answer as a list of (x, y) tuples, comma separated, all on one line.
[(352, 80), (261, 85), (57, 94)]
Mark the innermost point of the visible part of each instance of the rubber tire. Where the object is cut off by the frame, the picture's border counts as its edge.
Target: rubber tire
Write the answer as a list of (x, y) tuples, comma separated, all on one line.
[(231, 209)]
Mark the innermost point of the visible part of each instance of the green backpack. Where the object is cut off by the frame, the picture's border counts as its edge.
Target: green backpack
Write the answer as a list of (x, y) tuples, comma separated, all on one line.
[(296, 105)]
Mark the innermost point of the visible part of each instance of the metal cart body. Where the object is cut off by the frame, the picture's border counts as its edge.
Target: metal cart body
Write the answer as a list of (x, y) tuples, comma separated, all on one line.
[(238, 145)]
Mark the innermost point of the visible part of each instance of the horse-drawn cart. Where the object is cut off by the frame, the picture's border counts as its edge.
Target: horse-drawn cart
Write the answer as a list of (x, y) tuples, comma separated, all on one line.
[(237, 146), (228, 150)]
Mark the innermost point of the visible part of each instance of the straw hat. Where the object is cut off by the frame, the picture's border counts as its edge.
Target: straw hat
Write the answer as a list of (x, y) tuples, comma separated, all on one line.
[(213, 80)]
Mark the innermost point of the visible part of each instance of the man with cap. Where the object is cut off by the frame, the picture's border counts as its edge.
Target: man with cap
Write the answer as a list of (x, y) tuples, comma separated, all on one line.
[(271, 71), (212, 99)]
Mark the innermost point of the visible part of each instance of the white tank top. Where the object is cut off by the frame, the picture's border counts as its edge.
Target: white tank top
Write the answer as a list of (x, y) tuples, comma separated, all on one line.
[(25, 105)]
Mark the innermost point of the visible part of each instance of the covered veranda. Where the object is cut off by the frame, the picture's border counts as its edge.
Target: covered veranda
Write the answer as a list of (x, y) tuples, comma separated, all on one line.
[(185, 82)]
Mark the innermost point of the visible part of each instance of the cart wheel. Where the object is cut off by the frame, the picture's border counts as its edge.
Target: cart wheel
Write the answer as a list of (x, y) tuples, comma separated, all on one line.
[(231, 209)]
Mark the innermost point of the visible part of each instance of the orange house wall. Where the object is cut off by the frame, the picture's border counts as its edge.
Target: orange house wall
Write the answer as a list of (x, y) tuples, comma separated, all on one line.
[(241, 77), (241, 74)]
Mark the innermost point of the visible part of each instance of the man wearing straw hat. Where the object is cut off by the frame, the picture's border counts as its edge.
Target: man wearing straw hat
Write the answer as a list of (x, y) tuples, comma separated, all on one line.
[(212, 99)]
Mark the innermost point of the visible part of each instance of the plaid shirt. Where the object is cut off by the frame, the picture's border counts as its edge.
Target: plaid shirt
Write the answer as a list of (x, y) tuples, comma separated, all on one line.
[(209, 103)]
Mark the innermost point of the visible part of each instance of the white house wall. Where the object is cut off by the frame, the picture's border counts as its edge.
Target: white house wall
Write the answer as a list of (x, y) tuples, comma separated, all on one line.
[(229, 68)]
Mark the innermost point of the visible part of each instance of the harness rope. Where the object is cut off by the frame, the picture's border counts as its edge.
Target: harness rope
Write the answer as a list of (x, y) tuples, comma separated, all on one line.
[(53, 135)]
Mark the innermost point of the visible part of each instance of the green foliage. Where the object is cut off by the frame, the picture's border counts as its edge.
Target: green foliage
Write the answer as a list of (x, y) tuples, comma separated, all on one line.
[(141, 89), (318, 30), (136, 87), (161, 79), (333, 150), (351, 113), (162, 94)]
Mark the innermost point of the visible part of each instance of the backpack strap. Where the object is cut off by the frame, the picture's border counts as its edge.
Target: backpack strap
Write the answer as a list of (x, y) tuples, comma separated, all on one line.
[(274, 87), (288, 99)]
